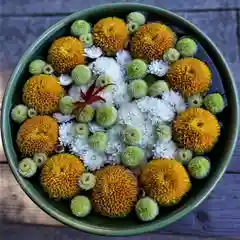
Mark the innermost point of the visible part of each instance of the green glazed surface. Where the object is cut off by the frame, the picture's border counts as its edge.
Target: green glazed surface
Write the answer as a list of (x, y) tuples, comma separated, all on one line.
[(93, 223)]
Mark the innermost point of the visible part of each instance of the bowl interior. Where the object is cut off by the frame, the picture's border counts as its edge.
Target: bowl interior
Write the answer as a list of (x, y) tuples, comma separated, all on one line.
[(222, 82)]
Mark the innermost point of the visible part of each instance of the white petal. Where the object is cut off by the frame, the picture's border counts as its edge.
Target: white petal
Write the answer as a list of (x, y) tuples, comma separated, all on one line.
[(65, 80)]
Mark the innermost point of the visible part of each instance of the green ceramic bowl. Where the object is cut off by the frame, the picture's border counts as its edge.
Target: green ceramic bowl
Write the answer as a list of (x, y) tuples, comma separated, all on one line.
[(128, 226)]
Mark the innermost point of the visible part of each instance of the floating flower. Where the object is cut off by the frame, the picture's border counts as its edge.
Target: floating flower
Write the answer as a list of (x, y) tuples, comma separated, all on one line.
[(195, 101), (36, 66), (27, 167), (37, 134), (196, 129), (164, 132), (131, 136), (80, 27), (151, 40), (166, 181), (171, 55), (81, 75), (48, 69), (66, 133), (63, 118), (189, 76), (115, 192), (98, 141), (66, 105), (106, 116), (19, 113), (146, 209), (81, 130), (132, 156), (132, 27), (110, 34), (65, 80), (93, 52), (136, 69), (184, 155), (87, 181), (59, 176), (42, 92), (40, 159), (136, 17), (214, 103), (187, 47), (158, 68), (65, 53), (164, 150), (87, 39), (199, 167), (80, 206), (175, 100), (156, 109), (138, 88), (32, 113)]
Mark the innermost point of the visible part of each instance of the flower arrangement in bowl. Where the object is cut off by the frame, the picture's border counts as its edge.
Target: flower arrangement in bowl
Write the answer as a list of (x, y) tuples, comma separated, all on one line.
[(117, 118)]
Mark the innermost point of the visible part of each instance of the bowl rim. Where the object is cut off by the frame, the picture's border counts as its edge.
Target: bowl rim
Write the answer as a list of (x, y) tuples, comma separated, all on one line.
[(148, 227)]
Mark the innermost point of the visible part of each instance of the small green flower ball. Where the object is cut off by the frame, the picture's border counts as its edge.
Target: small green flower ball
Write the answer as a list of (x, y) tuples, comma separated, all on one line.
[(27, 167), (131, 136), (32, 113), (81, 75), (214, 103), (146, 209), (86, 114), (87, 39), (80, 206), (138, 88), (19, 113), (195, 101), (164, 132), (40, 159), (136, 17), (199, 167), (48, 69), (104, 80), (81, 129), (184, 155), (66, 105), (133, 27), (80, 27), (171, 55), (106, 116), (98, 141), (158, 88), (136, 69), (36, 67), (87, 181), (132, 156), (186, 47)]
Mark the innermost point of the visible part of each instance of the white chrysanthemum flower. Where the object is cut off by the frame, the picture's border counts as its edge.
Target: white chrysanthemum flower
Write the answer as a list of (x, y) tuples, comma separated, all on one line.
[(92, 160), (164, 150), (115, 144), (147, 130), (175, 100), (62, 118), (113, 159), (93, 52), (157, 111), (130, 114), (120, 94), (66, 133), (158, 68), (65, 80), (94, 127), (123, 57)]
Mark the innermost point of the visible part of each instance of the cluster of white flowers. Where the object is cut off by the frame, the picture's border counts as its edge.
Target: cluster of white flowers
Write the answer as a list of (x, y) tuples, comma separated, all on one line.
[(143, 114)]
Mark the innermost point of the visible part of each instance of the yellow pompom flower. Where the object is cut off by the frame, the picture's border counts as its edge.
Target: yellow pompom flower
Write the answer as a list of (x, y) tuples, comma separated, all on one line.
[(115, 192), (165, 180), (59, 176), (110, 34), (189, 76), (66, 53), (151, 40), (196, 129), (37, 135), (42, 92)]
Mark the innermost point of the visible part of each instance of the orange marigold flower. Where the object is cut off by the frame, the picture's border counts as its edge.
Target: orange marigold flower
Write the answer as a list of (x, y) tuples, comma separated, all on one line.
[(189, 76), (196, 129), (151, 40), (110, 34), (37, 135), (66, 53), (115, 192), (59, 176), (165, 180), (42, 92)]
